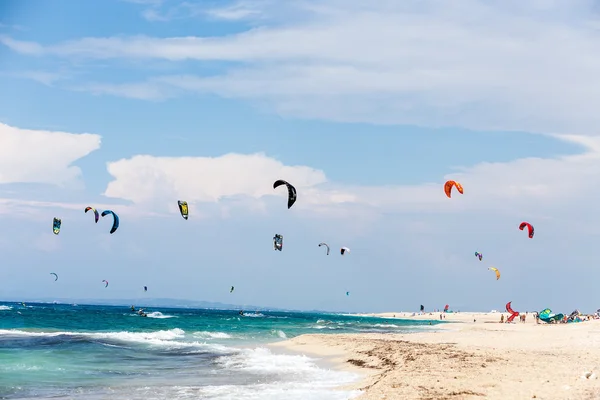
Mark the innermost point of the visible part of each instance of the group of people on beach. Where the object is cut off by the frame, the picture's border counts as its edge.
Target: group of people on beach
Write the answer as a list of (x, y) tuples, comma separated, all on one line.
[(522, 318), (575, 316)]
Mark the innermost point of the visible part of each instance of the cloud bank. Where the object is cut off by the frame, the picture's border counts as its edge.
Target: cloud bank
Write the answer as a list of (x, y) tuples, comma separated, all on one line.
[(530, 186), (38, 156), (483, 65), (144, 178)]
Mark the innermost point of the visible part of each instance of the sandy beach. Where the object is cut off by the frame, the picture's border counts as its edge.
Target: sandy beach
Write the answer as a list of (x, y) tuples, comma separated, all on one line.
[(467, 359)]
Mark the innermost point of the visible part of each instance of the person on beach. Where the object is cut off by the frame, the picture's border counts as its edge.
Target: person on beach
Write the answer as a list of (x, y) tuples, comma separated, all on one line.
[(501, 318)]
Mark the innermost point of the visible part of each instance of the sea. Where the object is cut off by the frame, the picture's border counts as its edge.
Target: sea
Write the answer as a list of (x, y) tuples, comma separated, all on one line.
[(70, 351)]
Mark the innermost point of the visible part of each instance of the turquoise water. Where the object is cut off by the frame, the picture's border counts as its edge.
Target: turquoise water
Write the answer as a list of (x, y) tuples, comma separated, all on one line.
[(99, 352)]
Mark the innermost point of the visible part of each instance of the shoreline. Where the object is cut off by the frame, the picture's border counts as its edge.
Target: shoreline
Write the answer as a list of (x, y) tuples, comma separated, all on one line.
[(464, 359)]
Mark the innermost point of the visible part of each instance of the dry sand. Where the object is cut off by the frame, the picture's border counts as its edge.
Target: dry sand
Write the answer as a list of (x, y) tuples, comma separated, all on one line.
[(467, 360)]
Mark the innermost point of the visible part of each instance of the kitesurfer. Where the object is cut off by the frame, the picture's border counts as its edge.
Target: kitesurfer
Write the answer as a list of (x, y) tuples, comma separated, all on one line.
[(132, 308), (241, 313)]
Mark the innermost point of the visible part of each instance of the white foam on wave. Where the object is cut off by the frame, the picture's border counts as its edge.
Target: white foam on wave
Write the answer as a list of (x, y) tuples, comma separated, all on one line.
[(255, 391), (212, 335), (254, 315), (295, 377), (388, 326), (279, 333), (125, 335), (5, 308), (324, 327), (273, 376), (168, 339), (19, 367), (159, 315), (275, 391)]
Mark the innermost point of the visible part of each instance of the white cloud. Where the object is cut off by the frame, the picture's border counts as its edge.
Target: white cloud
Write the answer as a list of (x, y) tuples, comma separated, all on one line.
[(484, 65), (237, 11), (143, 91), (145, 2), (149, 179), (44, 77), (531, 186), (153, 15), (38, 156), (164, 11), (22, 47)]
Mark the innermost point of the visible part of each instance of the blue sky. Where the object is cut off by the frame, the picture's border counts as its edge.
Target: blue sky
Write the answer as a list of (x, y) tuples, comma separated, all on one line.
[(367, 108)]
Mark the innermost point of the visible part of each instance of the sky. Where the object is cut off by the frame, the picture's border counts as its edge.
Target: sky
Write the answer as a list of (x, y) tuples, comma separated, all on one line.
[(367, 108)]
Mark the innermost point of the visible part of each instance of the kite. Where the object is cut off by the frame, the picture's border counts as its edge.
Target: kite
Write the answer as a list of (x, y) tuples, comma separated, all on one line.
[(477, 254), (96, 216), (347, 293), (344, 250), (513, 314), (231, 290), (183, 208), (448, 187), (496, 271), (278, 242), (55, 276), (145, 288), (56, 225), (104, 280), (529, 228), (291, 191), (115, 221), (326, 245)]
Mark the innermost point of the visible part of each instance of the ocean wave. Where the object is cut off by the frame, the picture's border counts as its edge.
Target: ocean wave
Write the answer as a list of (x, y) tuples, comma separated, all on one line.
[(295, 390), (262, 361), (170, 340), (212, 335), (324, 327), (19, 367), (5, 308), (254, 315), (124, 335), (387, 326), (277, 391), (159, 315), (279, 333)]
